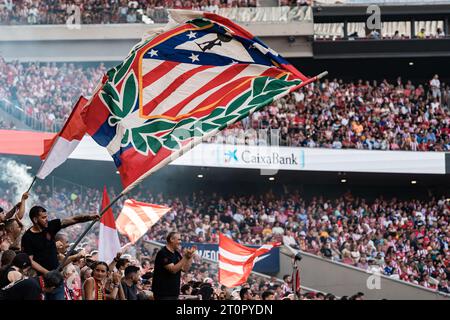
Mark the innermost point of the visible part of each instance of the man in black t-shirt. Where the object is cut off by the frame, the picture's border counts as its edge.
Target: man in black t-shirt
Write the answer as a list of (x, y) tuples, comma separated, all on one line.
[(39, 242), (32, 288), (130, 281), (168, 266)]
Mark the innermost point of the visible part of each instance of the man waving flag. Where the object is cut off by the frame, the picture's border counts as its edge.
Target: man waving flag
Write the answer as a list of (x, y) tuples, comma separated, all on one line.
[(180, 86)]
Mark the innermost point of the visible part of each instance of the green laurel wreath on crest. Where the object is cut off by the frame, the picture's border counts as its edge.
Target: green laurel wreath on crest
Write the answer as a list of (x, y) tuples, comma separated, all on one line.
[(163, 133)]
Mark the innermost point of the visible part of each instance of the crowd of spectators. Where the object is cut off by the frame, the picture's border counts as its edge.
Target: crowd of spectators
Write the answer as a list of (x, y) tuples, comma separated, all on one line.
[(127, 277), (403, 239), (375, 115), (356, 115), (44, 91), (20, 12)]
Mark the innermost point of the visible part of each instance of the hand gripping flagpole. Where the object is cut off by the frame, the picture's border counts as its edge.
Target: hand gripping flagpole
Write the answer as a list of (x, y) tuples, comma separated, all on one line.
[(75, 244)]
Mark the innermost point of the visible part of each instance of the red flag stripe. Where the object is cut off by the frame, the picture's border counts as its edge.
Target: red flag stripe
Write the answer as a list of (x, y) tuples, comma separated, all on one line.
[(225, 94), (230, 277), (73, 129), (236, 261), (151, 105), (108, 218), (158, 72), (220, 97), (220, 79)]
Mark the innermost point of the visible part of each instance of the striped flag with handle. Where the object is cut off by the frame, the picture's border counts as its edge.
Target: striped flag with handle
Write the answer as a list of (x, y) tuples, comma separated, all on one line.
[(58, 149), (108, 239), (236, 261), (137, 218)]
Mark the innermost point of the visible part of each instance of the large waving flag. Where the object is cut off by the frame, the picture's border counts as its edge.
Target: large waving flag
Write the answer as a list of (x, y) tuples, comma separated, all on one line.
[(180, 86), (137, 217), (108, 241), (57, 150), (236, 261)]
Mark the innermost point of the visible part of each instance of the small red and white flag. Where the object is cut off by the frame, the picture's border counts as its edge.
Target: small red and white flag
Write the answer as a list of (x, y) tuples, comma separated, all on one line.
[(58, 149), (236, 261), (108, 242), (137, 218)]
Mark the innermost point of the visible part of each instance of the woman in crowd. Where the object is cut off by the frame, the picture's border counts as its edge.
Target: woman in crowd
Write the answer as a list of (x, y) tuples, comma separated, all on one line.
[(94, 287)]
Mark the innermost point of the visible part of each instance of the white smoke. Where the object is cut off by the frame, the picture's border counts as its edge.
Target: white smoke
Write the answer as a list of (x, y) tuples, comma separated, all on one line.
[(17, 179)]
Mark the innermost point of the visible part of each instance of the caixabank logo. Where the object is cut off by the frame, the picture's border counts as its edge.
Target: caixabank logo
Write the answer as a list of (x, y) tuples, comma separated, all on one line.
[(292, 159), (231, 156)]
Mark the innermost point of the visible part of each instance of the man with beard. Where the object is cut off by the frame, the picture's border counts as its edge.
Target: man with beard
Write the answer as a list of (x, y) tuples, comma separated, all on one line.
[(40, 244), (130, 281)]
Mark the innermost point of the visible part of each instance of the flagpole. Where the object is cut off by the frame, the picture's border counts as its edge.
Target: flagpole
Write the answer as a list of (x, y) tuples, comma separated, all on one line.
[(31, 185), (74, 245)]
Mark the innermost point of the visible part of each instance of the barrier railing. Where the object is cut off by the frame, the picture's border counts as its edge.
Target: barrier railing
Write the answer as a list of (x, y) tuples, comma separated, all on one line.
[(35, 120)]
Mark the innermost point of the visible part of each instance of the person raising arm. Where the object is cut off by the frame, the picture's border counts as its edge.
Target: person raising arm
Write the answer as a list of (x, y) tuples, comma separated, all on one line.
[(168, 266), (40, 244)]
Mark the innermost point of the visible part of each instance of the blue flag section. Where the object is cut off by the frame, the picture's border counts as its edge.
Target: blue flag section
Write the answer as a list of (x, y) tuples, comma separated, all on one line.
[(268, 263)]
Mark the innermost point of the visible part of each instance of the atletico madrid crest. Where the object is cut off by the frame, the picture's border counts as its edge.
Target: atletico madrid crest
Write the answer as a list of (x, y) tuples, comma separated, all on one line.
[(180, 85)]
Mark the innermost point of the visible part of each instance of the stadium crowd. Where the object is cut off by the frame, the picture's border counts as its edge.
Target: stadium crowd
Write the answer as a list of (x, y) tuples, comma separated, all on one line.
[(404, 239), (19, 12), (83, 277), (44, 91), (361, 115), (375, 115)]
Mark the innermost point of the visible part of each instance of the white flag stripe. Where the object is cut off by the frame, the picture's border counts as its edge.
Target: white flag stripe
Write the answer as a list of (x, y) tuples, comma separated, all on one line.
[(248, 71), (135, 219), (153, 90), (188, 87), (149, 64), (59, 153), (151, 214), (231, 268), (108, 244), (234, 257)]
